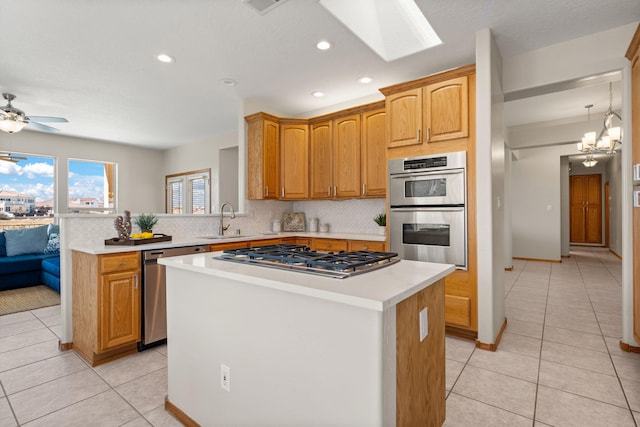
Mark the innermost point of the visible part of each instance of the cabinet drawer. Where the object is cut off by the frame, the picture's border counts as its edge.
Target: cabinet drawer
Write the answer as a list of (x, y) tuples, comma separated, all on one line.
[(119, 262), (256, 243), (366, 245), (330, 245), (457, 310), (228, 246)]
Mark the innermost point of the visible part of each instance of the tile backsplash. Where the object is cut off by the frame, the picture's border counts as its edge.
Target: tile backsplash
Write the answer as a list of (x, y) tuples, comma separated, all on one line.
[(347, 216)]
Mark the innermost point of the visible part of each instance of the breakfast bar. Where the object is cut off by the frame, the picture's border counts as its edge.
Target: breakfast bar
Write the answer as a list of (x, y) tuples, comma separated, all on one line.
[(250, 345)]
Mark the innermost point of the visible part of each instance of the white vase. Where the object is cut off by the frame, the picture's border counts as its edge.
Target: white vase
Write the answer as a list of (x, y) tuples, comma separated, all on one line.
[(382, 230)]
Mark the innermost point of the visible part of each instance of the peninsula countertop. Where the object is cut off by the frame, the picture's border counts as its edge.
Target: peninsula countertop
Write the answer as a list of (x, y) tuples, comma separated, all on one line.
[(97, 248), (375, 290)]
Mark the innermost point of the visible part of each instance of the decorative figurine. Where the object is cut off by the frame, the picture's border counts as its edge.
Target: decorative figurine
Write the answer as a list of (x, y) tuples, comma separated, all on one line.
[(123, 225)]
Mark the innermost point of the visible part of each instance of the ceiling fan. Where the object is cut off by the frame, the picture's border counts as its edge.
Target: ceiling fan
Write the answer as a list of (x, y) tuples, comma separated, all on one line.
[(13, 120), (8, 157)]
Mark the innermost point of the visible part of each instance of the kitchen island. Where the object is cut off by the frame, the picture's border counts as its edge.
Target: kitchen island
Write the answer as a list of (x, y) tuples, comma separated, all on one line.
[(302, 350)]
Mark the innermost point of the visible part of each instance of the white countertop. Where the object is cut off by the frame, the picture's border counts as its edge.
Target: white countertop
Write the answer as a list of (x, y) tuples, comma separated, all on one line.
[(375, 290), (99, 249)]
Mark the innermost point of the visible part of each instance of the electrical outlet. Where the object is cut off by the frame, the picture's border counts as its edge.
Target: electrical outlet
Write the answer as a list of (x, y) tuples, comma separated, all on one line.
[(225, 377)]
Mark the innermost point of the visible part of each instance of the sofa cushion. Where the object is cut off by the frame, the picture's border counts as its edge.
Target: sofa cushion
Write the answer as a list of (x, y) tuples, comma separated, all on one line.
[(53, 245), (52, 265), (3, 244), (26, 240), (18, 263), (53, 228)]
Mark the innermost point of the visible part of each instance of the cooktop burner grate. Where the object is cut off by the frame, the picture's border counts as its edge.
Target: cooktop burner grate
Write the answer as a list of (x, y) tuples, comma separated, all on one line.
[(301, 258)]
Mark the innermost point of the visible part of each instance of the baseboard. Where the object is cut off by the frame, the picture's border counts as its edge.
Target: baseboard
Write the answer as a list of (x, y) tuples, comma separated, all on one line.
[(616, 254), (178, 414), (508, 268), (460, 333), (493, 346), (538, 259), (65, 346), (629, 348)]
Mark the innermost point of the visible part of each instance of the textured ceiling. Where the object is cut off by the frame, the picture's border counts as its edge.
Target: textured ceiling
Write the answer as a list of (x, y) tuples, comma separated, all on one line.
[(92, 61)]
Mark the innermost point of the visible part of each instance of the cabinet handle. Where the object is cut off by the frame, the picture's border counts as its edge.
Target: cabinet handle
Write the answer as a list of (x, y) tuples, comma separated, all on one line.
[(282, 192), (364, 189), (136, 282), (266, 191), (428, 134), (329, 191), (335, 191), (123, 262), (418, 135)]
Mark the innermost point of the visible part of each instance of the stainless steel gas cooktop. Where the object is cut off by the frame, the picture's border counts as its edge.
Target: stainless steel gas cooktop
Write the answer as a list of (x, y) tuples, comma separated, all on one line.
[(300, 258)]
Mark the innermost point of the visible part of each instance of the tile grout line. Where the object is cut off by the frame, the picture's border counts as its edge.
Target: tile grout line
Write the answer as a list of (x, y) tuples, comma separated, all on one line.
[(544, 321), (15, 417)]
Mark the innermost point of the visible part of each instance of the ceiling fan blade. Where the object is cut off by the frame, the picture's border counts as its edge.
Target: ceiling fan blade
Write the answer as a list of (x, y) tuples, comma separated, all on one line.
[(40, 126), (46, 119)]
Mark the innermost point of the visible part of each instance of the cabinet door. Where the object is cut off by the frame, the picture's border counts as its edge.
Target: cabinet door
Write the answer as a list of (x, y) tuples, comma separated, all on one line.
[(330, 245), (404, 123), (577, 215), (321, 153), (346, 156), (119, 309), (366, 245), (262, 158), (294, 155), (374, 154), (593, 214), (446, 111)]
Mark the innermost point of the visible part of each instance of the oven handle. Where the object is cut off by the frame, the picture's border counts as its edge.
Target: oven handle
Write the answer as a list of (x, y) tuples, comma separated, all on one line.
[(414, 175), (428, 209)]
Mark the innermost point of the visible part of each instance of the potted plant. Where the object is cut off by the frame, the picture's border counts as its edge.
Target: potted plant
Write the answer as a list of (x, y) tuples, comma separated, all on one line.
[(146, 222), (381, 220)]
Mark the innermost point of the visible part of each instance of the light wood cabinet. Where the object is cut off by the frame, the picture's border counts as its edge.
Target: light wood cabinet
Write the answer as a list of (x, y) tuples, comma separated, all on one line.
[(586, 208), (366, 245), (321, 154), (633, 54), (263, 139), (329, 245), (106, 309), (446, 110), (436, 112), (346, 156), (294, 161), (373, 153)]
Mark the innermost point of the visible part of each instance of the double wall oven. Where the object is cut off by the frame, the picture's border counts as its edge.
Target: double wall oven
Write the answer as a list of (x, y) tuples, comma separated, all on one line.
[(428, 220)]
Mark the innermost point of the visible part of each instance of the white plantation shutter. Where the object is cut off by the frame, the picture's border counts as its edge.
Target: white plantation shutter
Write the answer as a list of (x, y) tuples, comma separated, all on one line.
[(188, 193)]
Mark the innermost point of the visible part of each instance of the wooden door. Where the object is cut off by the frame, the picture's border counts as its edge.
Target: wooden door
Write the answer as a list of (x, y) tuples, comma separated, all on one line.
[(321, 161), (586, 209), (120, 309), (446, 110), (294, 161), (374, 154), (404, 121), (346, 156), (607, 207)]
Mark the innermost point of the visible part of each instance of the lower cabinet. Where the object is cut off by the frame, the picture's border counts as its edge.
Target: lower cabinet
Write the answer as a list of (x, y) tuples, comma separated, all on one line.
[(329, 245), (106, 305)]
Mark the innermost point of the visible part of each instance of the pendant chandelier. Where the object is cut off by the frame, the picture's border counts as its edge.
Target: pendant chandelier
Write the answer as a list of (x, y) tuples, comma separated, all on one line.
[(609, 136), (590, 161)]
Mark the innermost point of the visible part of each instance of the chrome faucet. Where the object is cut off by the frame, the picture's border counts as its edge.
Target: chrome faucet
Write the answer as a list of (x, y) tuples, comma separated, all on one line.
[(233, 215)]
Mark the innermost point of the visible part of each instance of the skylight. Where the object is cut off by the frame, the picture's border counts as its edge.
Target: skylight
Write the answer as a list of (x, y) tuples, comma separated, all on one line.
[(391, 28)]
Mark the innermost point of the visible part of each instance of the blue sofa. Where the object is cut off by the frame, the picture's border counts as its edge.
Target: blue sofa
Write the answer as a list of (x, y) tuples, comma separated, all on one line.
[(29, 269)]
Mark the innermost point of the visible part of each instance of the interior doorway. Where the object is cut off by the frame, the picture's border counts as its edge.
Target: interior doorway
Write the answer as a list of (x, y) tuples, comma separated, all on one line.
[(607, 208), (585, 199)]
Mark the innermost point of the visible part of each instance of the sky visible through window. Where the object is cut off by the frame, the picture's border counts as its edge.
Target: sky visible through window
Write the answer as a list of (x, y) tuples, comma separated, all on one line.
[(33, 176), (86, 179)]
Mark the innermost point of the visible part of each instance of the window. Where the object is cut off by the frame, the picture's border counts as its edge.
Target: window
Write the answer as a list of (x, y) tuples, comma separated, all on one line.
[(26, 185), (189, 192), (92, 186)]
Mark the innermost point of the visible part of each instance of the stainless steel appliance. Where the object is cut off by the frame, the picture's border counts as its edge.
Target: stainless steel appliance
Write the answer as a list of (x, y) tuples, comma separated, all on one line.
[(427, 214), (154, 293), (301, 259)]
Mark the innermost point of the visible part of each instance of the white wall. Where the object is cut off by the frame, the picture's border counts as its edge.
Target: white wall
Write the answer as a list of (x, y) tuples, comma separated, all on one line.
[(228, 176), (565, 210), (614, 174), (139, 170), (489, 186)]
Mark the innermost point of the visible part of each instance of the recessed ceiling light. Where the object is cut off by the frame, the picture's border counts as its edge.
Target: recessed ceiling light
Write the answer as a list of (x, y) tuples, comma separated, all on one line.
[(365, 80), (323, 45), (163, 57), (317, 94), (229, 82)]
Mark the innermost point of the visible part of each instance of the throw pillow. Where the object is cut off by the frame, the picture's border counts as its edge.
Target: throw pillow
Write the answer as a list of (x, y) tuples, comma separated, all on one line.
[(53, 228), (3, 245), (53, 245), (26, 240)]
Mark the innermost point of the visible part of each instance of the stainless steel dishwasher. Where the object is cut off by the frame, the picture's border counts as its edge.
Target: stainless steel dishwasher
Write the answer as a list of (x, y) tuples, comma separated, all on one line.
[(154, 293)]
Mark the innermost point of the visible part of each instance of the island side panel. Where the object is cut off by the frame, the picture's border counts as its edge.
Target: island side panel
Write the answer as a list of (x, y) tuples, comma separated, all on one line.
[(295, 360), (420, 367)]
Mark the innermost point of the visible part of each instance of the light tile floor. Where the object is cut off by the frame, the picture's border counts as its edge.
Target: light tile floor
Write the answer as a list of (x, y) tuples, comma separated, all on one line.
[(559, 362)]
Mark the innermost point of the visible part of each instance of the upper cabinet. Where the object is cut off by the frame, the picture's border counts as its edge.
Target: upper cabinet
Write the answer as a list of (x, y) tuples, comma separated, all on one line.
[(433, 112), (446, 110), (294, 160), (346, 156), (321, 160), (263, 139), (373, 153)]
